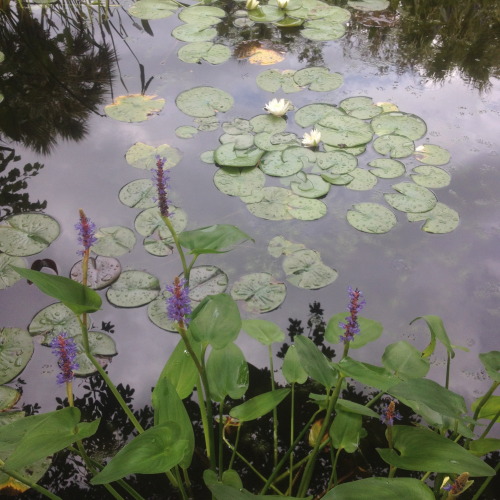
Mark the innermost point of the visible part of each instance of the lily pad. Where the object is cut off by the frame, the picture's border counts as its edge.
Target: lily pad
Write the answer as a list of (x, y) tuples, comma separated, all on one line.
[(286, 163), (157, 313), (149, 221), (441, 219), (310, 186), (16, 349), (432, 155), (240, 141), (279, 246), (305, 269), (336, 162), (153, 9), (101, 272), (323, 30), (203, 102), (411, 198), (186, 131), (207, 123), (309, 115), (157, 246), (133, 289), (134, 107), (114, 241), (143, 156), (368, 5), (8, 276), (198, 14), (8, 397), (337, 179), (386, 168), (371, 218), (266, 14), (318, 79), (396, 146), (194, 33), (27, 234), (399, 123), (360, 107), (227, 155), (260, 291), (273, 205), (344, 131), (239, 182), (430, 177), (237, 126), (275, 142), (101, 345), (306, 209), (138, 194), (53, 320), (362, 180), (204, 51), (273, 80), (205, 281), (355, 151), (268, 123), (207, 157)]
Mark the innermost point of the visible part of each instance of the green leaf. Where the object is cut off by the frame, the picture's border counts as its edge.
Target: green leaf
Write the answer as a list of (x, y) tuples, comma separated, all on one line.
[(204, 101), (396, 122), (421, 449), (323, 30), (346, 431), (134, 108), (430, 177), (266, 14), (370, 375), (491, 363), (195, 33), (266, 332), (260, 291), (352, 407), (212, 239), (186, 131), (143, 156), (306, 209), (362, 180), (228, 492), (371, 218), (305, 269), (216, 321), (318, 78), (437, 331), (80, 299), (259, 405), (273, 80), (153, 9), (239, 181), (16, 349), (133, 289), (432, 155), (310, 114), (370, 330), (227, 155), (489, 409), (360, 107), (344, 131), (406, 360), (439, 220), (227, 372), (8, 398), (198, 14), (395, 146), (114, 241), (156, 450), (336, 162), (292, 369), (100, 344), (268, 123), (8, 276), (481, 447), (368, 5), (101, 272), (279, 246), (385, 168), (314, 362), (411, 198), (310, 186)]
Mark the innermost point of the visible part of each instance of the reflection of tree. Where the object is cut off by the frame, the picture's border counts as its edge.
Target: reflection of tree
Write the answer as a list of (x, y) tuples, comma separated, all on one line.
[(53, 77), (11, 183)]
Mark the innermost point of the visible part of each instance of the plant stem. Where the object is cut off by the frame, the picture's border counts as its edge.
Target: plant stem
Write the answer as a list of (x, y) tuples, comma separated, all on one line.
[(374, 399), (483, 401), (29, 483), (490, 425), (175, 236), (485, 484), (292, 424), (236, 441), (275, 410), (333, 478), (448, 364), (221, 432)]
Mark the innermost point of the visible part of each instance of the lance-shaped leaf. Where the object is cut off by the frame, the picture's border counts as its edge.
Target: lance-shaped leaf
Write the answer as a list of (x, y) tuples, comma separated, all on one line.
[(491, 362), (266, 332), (489, 409), (212, 239), (437, 331), (77, 297), (371, 375), (222, 491), (259, 405), (314, 362), (346, 431), (406, 360), (292, 369), (484, 446)]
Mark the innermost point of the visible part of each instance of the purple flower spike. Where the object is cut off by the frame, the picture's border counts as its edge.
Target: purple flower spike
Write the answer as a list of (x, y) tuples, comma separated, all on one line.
[(86, 229), (351, 325), (65, 349), (160, 179), (179, 303), (390, 414)]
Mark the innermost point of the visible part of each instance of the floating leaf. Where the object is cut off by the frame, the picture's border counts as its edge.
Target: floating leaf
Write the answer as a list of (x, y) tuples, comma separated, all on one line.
[(207, 157), (100, 344), (275, 142), (432, 155), (396, 146), (194, 33), (114, 241), (279, 246), (430, 177), (133, 289), (306, 209), (318, 78), (268, 123), (239, 182), (289, 22), (396, 122), (368, 5), (203, 102), (261, 292), (227, 155), (149, 221), (360, 107), (101, 272), (205, 281), (204, 51), (198, 14), (207, 123), (266, 14), (16, 349), (411, 198), (371, 218), (186, 131), (157, 246), (27, 234), (344, 131), (138, 194), (240, 141), (337, 179), (323, 30), (153, 9), (362, 180), (8, 398), (273, 80), (356, 150), (286, 163), (386, 168), (309, 115), (273, 205), (304, 269), (311, 186), (134, 107), (336, 162), (8, 276), (157, 313), (143, 156)]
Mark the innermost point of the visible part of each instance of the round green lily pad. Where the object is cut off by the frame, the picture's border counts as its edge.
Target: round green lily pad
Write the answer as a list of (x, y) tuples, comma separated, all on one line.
[(309, 115), (237, 126), (159, 247), (227, 155), (386, 168), (204, 51), (194, 33), (318, 79), (157, 313), (344, 131), (430, 177), (275, 142), (153, 9), (368, 5), (205, 281), (336, 162), (399, 123), (371, 218), (432, 155), (337, 179), (305, 269), (279, 246), (306, 209), (101, 345), (143, 156), (239, 182), (323, 30), (53, 320), (114, 241), (360, 107), (321, 10), (411, 198), (16, 349), (273, 205), (355, 151), (27, 234), (8, 398), (198, 14), (260, 291), (101, 272), (8, 276), (133, 289), (149, 221), (134, 107), (396, 146), (441, 219), (207, 123), (186, 131), (207, 157), (138, 194), (362, 180), (310, 186), (273, 80), (266, 14), (204, 101), (268, 123), (240, 141)]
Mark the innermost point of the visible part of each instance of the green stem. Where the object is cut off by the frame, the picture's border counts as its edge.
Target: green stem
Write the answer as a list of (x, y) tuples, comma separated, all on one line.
[(425, 476), (221, 432), (236, 441), (29, 483), (485, 484), (490, 425), (180, 483), (275, 409), (374, 399), (448, 364), (203, 412), (333, 479), (292, 432), (175, 236), (483, 401)]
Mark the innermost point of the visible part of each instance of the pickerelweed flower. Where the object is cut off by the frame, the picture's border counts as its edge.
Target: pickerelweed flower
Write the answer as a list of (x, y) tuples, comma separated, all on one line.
[(390, 413), (252, 4), (278, 107), (65, 349), (458, 486), (86, 232), (351, 325), (179, 303), (311, 140), (160, 179)]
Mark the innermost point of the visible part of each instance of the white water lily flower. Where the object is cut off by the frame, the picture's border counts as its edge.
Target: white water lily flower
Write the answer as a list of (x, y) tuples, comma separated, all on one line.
[(252, 4), (278, 108), (282, 3), (312, 139)]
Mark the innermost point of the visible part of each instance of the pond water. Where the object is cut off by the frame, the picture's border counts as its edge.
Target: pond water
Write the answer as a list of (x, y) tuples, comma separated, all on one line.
[(441, 64)]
